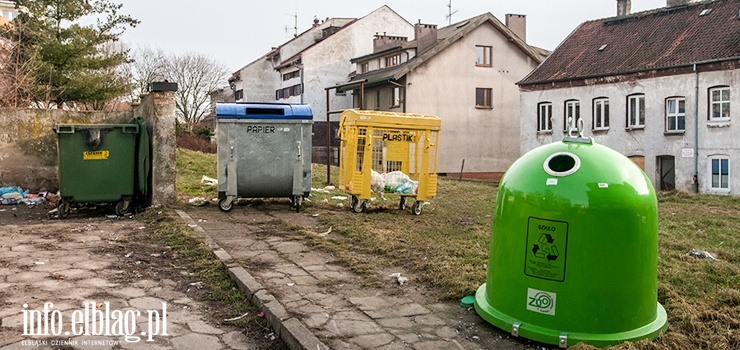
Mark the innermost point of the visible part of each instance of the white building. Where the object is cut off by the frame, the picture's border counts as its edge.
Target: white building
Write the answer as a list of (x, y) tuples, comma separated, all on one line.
[(662, 87), (300, 70)]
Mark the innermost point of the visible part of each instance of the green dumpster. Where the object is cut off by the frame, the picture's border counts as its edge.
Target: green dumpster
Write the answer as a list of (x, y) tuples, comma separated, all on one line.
[(573, 255), (101, 164)]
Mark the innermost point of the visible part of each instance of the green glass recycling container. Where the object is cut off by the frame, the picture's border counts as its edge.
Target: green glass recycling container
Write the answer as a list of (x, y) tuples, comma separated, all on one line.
[(573, 255)]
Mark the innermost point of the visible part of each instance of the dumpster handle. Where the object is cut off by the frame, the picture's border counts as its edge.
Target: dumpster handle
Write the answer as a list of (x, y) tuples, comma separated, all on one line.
[(65, 129), (130, 129)]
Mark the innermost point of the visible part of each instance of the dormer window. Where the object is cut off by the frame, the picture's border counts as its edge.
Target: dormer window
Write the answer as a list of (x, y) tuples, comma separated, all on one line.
[(393, 60)]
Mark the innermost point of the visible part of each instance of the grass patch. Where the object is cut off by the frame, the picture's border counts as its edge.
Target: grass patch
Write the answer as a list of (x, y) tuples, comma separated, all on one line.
[(217, 286), (191, 166), (447, 248)]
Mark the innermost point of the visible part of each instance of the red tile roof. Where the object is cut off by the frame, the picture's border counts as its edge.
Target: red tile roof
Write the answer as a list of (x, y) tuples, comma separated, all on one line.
[(650, 40)]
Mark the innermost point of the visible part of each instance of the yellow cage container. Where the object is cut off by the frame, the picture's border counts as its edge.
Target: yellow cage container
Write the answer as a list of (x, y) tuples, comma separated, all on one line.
[(387, 152)]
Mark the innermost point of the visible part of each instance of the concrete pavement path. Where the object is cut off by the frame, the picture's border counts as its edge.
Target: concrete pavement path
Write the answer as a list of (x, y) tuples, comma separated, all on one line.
[(67, 275)]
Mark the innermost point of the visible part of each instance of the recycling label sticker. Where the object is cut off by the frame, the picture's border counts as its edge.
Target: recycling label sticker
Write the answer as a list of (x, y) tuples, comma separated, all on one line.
[(541, 301), (547, 244)]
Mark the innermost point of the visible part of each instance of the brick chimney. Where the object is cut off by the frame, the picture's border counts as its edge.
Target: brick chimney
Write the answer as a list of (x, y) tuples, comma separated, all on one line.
[(624, 7), (383, 42), (425, 35), (518, 25)]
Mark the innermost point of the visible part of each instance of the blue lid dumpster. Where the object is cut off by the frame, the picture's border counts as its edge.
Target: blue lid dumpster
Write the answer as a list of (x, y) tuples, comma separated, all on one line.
[(264, 151), (573, 255)]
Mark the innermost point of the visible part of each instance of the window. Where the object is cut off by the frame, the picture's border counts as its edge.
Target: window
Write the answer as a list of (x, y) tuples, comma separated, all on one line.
[(720, 171), (544, 116), (601, 114), (238, 95), (393, 60), (635, 112), (291, 75), (294, 90), (483, 56), (572, 115), (396, 97), (719, 103), (364, 68), (675, 114), (483, 98)]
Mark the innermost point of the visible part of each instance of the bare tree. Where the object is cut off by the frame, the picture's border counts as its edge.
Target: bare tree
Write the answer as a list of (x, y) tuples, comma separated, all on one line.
[(149, 65), (196, 76)]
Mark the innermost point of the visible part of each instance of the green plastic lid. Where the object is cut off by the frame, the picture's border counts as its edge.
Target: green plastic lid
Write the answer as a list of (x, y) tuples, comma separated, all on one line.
[(467, 301)]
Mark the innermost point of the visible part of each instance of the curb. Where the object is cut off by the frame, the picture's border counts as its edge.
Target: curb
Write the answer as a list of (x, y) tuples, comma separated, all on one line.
[(292, 332)]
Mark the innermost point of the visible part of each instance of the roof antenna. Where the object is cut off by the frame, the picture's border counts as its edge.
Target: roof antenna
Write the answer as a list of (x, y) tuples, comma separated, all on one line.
[(450, 13)]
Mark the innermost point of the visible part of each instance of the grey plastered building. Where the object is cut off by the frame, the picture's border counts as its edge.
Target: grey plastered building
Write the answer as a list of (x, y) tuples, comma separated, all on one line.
[(661, 86)]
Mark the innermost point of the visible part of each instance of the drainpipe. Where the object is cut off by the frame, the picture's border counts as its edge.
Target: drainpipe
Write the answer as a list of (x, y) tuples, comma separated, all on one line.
[(300, 71), (696, 131)]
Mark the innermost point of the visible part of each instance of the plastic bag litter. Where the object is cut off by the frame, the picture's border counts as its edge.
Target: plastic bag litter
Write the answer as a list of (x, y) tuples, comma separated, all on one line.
[(377, 181), (198, 201), (701, 254), (401, 280)]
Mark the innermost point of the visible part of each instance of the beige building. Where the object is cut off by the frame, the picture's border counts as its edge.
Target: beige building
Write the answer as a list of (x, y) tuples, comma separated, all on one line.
[(466, 74)]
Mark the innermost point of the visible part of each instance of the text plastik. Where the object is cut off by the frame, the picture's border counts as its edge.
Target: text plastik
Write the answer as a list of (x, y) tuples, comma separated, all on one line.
[(264, 129)]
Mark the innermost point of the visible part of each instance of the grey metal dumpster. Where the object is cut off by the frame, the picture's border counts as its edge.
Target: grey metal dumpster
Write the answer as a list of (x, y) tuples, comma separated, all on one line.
[(264, 151)]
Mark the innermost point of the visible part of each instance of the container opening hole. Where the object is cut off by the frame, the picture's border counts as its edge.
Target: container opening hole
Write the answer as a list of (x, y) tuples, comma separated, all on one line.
[(561, 163)]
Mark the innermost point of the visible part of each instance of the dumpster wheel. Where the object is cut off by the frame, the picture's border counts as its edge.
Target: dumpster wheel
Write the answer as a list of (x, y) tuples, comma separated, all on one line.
[(402, 205), (122, 207), (296, 202), (63, 208), (226, 204), (360, 205), (416, 208)]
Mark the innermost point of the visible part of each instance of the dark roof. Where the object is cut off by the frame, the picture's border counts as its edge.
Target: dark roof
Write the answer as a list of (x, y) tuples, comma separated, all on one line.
[(650, 40), (446, 36)]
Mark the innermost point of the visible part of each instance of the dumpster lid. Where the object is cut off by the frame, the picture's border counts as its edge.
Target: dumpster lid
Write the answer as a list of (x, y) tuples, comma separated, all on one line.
[(252, 110)]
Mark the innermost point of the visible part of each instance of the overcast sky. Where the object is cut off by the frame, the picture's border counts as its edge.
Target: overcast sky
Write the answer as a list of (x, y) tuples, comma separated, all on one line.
[(236, 32)]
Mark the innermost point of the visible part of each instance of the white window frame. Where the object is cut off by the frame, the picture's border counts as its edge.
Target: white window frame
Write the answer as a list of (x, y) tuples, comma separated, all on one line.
[(396, 97), (721, 102), (572, 108), (636, 118), (601, 113), (673, 114), (716, 185), (544, 117)]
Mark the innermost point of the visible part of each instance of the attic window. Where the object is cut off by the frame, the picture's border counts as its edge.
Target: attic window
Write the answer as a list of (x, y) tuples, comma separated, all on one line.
[(705, 12), (603, 47)]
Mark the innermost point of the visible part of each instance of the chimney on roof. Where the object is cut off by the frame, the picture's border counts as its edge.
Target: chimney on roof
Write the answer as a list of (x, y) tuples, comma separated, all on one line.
[(672, 3), (624, 7), (425, 36), (383, 42), (518, 25)]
